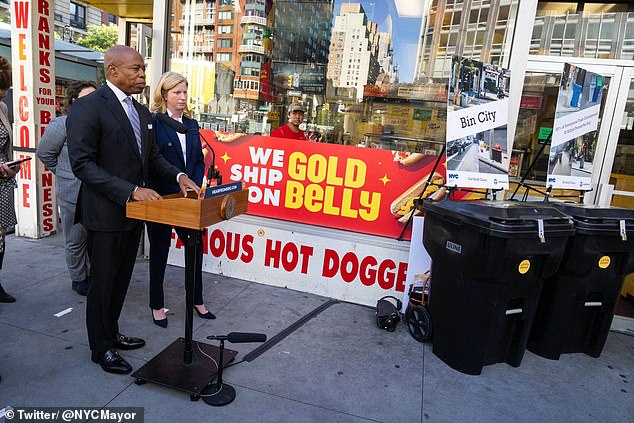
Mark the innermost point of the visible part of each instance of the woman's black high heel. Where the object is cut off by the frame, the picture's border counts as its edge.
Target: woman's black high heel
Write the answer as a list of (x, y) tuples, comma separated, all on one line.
[(208, 315), (161, 322)]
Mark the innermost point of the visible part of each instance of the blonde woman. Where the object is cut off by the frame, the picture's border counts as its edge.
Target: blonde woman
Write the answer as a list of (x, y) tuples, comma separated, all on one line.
[(183, 151)]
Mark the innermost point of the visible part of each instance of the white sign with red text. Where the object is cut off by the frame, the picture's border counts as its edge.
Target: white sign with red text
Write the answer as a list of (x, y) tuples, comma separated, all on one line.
[(345, 269), (33, 66), (419, 259)]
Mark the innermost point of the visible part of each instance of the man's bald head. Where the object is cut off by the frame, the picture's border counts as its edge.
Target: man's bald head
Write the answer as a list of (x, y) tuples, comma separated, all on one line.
[(124, 67), (115, 55)]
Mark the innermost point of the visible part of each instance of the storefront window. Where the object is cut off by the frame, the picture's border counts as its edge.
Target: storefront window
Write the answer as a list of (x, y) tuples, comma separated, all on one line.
[(604, 30), (369, 72)]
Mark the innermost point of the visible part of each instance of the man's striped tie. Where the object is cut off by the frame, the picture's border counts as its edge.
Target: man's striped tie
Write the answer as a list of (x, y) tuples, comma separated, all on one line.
[(133, 115)]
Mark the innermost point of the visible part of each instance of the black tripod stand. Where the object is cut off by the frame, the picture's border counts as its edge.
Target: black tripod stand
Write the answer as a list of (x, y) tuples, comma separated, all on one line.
[(220, 393), (522, 183)]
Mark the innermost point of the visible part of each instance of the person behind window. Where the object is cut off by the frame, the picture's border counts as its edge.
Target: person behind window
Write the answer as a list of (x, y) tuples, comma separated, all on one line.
[(53, 152), (183, 151), (291, 129)]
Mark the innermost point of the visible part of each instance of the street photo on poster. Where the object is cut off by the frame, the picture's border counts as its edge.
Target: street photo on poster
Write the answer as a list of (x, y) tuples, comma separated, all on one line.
[(575, 128), (478, 148)]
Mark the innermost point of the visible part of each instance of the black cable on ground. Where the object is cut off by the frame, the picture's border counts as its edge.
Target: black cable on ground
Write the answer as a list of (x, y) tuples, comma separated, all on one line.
[(284, 333)]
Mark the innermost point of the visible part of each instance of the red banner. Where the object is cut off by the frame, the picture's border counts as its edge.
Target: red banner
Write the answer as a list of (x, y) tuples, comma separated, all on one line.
[(531, 102), (350, 188), (265, 82)]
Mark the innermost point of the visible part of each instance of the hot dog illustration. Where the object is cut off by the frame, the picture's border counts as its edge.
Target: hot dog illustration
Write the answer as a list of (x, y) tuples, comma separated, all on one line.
[(411, 159), (403, 206), (227, 137)]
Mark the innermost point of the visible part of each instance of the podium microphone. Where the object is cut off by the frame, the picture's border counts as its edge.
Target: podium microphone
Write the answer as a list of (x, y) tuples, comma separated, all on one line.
[(212, 172), (240, 337), (220, 393)]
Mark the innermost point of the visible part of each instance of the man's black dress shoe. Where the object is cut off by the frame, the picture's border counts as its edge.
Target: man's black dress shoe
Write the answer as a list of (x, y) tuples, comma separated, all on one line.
[(81, 287), (111, 362), (127, 343), (208, 315), (5, 297)]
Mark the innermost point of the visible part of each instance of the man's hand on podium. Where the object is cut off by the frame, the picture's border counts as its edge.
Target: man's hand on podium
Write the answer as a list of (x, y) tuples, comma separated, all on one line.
[(144, 194), (187, 184)]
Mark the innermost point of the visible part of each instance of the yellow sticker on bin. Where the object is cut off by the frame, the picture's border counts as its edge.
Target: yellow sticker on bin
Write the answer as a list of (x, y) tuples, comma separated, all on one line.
[(604, 262), (524, 266)]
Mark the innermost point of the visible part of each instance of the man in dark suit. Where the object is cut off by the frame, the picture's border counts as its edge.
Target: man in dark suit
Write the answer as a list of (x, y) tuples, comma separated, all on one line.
[(112, 149)]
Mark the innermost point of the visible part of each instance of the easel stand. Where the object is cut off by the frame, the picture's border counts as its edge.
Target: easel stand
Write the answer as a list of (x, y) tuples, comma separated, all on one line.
[(548, 193), (185, 364), (522, 183), (428, 182), (450, 190)]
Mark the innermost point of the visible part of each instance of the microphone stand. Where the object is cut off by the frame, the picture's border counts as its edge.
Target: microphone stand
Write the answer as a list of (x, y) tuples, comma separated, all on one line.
[(212, 172), (222, 393)]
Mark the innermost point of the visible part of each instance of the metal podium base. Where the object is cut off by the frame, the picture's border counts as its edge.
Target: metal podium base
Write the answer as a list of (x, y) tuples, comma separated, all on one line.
[(167, 368)]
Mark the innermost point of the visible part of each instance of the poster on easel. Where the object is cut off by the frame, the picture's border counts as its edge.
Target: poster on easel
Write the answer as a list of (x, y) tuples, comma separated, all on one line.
[(478, 149), (576, 120)]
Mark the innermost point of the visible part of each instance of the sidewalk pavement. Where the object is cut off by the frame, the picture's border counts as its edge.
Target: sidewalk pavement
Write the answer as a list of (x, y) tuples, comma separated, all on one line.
[(337, 367)]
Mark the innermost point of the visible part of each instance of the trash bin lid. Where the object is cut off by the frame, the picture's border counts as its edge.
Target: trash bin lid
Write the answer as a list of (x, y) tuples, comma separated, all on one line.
[(596, 220), (503, 219)]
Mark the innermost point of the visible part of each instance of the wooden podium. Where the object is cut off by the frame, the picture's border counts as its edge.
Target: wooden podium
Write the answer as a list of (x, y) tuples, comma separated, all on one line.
[(178, 366)]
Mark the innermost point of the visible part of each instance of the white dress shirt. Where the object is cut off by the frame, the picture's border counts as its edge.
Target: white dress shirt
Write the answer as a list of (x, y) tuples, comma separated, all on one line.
[(121, 96), (181, 137)]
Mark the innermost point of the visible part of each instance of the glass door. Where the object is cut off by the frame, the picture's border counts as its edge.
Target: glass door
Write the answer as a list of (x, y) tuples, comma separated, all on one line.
[(536, 117), (619, 173), (622, 175), (608, 153)]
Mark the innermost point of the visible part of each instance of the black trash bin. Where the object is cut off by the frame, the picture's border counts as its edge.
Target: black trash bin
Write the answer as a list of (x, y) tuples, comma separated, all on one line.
[(577, 304), (488, 262)]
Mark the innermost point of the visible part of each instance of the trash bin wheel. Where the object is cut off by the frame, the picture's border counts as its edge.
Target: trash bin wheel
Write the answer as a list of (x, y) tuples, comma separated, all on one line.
[(418, 322)]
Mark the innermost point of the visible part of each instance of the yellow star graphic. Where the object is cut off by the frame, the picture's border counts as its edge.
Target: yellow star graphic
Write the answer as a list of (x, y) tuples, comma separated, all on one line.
[(225, 157), (385, 180)]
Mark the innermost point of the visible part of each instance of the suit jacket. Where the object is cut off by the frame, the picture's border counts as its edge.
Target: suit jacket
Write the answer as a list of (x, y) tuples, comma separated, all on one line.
[(170, 148), (53, 152), (104, 155)]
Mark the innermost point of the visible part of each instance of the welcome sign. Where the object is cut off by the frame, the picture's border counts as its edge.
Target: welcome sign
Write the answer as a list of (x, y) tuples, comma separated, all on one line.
[(478, 149), (33, 60)]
